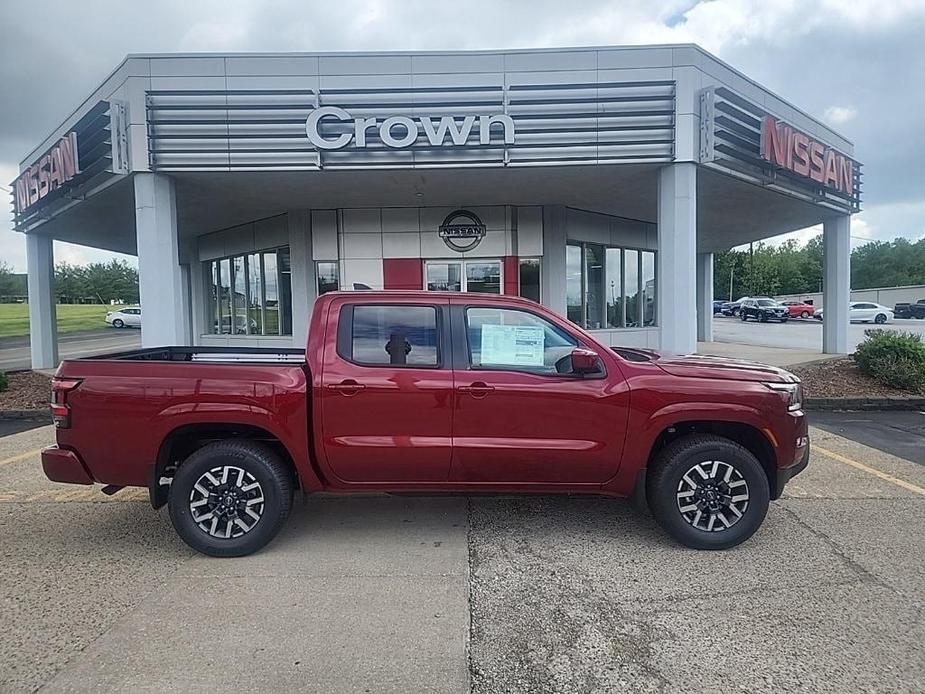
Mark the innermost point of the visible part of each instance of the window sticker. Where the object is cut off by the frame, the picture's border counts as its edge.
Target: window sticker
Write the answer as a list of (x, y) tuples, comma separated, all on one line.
[(514, 345)]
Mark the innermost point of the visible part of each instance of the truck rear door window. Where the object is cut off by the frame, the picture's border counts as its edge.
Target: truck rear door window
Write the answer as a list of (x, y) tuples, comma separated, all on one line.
[(393, 336)]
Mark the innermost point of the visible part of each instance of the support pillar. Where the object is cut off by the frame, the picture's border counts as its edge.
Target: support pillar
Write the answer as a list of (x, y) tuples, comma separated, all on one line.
[(552, 264), (43, 326), (836, 284), (677, 250), (164, 304), (705, 297)]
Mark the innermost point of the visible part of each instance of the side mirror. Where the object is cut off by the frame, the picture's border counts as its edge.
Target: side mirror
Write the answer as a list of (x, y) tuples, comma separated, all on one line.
[(585, 361)]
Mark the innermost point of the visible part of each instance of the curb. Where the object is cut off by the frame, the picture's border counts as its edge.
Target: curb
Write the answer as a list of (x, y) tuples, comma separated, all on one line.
[(42, 414), (895, 403)]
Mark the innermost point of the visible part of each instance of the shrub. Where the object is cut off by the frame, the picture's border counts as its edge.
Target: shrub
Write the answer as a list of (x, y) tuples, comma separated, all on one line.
[(4, 382), (894, 358)]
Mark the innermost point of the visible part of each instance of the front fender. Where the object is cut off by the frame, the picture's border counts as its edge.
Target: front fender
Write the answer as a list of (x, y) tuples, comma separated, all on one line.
[(647, 428)]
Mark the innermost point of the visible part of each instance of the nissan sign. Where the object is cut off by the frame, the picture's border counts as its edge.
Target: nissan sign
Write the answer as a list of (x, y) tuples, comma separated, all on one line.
[(403, 131), (53, 170), (462, 230), (786, 147)]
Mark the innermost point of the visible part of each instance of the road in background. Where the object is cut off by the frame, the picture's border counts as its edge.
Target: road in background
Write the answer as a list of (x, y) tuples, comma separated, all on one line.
[(14, 351), (898, 433), (797, 333)]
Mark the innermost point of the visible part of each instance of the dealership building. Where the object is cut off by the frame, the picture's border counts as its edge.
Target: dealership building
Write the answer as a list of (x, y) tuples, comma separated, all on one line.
[(597, 181)]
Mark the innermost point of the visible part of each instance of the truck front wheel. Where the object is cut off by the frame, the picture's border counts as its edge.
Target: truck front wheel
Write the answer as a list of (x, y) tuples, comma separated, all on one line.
[(707, 492), (230, 498)]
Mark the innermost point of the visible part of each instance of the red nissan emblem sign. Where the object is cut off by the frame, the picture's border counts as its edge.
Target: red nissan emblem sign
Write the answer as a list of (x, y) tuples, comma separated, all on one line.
[(786, 147)]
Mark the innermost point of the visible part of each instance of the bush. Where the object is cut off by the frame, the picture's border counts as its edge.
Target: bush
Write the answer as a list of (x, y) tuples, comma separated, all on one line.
[(4, 382), (894, 358)]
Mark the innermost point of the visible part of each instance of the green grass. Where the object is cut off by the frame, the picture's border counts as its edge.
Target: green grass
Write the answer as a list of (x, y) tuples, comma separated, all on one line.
[(14, 318)]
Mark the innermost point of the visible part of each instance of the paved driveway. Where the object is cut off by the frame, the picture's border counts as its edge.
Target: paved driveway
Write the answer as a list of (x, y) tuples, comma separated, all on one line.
[(389, 594), (797, 334)]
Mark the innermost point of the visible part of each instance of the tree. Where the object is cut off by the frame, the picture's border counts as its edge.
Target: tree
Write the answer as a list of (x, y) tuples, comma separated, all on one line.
[(104, 282), (7, 281)]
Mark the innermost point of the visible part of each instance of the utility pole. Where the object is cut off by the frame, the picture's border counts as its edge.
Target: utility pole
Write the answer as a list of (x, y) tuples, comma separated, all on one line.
[(732, 272)]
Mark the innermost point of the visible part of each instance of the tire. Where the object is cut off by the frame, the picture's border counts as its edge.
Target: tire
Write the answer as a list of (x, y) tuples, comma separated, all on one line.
[(668, 489), (880, 319), (784, 320), (252, 523), (743, 316), (117, 323), (736, 312), (804, 315)]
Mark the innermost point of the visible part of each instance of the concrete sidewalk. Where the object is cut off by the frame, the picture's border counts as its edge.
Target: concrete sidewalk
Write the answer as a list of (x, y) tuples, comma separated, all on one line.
[(486, 595), (775, 356)]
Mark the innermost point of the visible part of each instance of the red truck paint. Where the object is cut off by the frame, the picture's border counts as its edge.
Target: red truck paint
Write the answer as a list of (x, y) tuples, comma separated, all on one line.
[(356, 428)]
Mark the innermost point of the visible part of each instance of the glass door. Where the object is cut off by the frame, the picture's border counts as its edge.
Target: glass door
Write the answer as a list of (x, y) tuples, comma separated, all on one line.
[(481, 276)]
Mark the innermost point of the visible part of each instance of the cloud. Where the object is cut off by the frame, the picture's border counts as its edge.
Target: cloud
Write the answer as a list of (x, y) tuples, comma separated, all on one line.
[(839, 115)]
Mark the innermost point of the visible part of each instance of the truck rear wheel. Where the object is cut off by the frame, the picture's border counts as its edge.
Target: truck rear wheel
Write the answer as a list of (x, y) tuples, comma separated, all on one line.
[(230, 498), (707, 492)]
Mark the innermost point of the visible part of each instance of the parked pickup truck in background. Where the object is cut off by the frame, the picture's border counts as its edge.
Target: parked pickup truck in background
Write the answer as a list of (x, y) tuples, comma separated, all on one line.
[(906, 310), (423, 392)]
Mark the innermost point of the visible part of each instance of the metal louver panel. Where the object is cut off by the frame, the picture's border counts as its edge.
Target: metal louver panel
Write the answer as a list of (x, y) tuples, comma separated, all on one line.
[(102, 152), (553, 124), (730, 139)]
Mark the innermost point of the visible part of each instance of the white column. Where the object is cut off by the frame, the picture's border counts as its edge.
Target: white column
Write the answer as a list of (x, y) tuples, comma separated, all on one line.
[(836, 284), (43, 326), (304, 282), (705, 297), (552, 263), (677, 250), (161, 284)]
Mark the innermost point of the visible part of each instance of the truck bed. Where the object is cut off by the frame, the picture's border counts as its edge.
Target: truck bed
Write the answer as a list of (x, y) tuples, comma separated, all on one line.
[(127, 404), (223, 355)]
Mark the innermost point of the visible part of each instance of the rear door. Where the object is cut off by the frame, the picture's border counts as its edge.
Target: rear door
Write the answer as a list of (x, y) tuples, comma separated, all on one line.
[(387, 392), (521, 416)]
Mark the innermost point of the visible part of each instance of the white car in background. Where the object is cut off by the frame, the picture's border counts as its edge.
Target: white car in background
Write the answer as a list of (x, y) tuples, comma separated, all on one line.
[(865, 312), (127, 317)]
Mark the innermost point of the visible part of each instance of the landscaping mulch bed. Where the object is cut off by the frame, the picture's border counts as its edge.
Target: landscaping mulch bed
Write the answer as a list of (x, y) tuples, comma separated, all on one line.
[(28, 390), (841, 378)]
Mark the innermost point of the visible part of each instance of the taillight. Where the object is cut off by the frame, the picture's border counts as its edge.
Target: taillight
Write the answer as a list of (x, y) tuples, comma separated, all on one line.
[(60, 411)]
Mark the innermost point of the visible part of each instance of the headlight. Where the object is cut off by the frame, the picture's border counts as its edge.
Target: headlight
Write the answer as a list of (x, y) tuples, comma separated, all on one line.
[(791, 392)]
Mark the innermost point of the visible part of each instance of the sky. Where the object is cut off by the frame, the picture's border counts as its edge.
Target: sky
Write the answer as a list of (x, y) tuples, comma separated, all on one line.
[(857, 65)]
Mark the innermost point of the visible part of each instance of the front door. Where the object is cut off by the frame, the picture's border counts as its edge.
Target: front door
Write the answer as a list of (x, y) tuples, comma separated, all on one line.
[(387, 393), (521, 416)]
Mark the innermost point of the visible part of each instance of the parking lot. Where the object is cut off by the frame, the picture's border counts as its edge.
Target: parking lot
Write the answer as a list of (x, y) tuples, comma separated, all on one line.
[(797, 333), (413, 594)]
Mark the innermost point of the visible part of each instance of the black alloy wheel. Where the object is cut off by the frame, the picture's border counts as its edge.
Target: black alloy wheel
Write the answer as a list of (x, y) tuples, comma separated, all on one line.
[(707, 492), (230, 498)]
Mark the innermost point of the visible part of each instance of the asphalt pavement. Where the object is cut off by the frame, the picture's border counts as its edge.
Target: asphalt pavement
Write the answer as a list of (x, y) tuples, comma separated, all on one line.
[(899, 433), (797, 334), (14, 351), (485, 595)]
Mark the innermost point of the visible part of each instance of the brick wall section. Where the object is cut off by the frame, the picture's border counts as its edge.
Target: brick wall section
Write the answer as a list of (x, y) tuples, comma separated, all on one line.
[(402, 273), (511, 275)]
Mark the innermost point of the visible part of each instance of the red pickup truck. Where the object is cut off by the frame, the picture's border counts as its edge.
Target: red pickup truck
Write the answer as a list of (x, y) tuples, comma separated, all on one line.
[(423, 392)]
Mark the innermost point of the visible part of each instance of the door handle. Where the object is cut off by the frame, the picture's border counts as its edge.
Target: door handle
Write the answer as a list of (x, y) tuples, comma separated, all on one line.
[(479, 389), (347, 387)]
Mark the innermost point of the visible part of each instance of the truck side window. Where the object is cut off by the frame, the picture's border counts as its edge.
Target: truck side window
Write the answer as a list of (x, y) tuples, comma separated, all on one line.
[(394, 336), (509, 339)]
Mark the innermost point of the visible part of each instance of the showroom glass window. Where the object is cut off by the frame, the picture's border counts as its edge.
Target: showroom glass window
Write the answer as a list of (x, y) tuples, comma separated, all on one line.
[(328, 276), (250, 294), (480, 276), (529, 280), (609, 286)]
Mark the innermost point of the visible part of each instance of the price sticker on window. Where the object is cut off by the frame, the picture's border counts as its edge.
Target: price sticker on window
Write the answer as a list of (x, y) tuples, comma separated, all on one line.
[(512, 345)]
